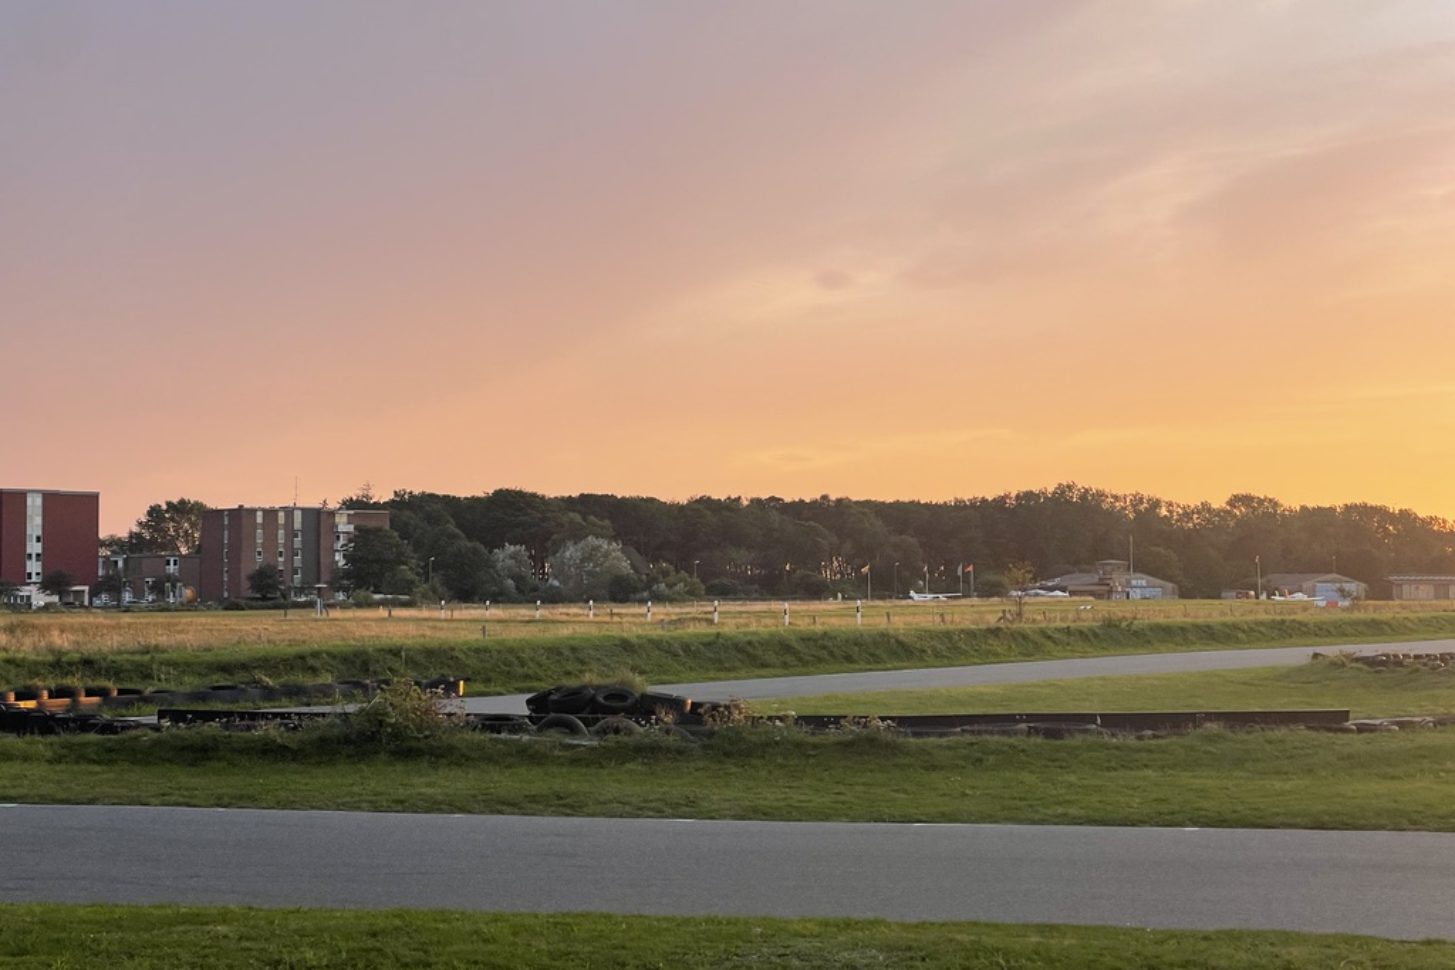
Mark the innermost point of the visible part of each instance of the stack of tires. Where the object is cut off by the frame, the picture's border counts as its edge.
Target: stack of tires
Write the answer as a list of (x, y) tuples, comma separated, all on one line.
[(614, 709)]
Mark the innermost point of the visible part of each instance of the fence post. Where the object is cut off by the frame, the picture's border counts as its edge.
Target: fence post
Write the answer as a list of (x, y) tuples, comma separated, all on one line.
[(785, 612), (590, 609), (858, 612), (714, 612), (649, 611), (538, 609)]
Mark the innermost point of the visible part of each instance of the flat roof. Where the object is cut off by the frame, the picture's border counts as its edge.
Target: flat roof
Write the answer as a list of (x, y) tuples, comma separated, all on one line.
[(50, 491)]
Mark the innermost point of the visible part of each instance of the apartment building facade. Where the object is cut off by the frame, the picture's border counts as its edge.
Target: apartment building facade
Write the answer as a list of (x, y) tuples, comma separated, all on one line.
[(151, 577), (45, 531), (306, 544)]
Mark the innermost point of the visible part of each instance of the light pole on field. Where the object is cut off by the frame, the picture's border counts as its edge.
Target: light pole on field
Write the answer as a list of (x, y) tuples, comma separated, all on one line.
[(896, 581), (429, 571), (695, 563)]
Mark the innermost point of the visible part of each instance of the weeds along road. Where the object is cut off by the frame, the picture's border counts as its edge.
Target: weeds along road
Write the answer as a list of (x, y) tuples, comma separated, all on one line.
[(1375, 883), (767, 688)]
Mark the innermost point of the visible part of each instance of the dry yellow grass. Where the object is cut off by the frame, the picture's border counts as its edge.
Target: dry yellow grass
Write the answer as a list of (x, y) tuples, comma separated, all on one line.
[(98, 631)]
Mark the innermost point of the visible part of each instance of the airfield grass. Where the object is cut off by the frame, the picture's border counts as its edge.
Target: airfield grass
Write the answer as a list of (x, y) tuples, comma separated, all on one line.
[(497, 665), (1209, 778), (63, 937), (208, 629), (1330, 683)]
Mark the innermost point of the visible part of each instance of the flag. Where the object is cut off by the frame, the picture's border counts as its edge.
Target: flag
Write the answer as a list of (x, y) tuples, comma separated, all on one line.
[(969, 567), (865, 570)]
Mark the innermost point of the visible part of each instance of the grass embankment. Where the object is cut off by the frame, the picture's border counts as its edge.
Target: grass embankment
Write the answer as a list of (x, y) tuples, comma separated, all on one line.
[(503, 665), (1270, 779), (1320, 684), (203, 629), (155, 937)]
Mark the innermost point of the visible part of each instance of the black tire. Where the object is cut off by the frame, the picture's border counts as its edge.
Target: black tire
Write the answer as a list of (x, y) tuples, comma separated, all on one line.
[(501, 723), (571, 700), (615, 727), (615, 700), (563, 724), (652, 703), (540, 702)]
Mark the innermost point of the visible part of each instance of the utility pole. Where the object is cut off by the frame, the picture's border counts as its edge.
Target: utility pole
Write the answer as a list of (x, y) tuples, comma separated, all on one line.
[(1258, 566), (896, 582)]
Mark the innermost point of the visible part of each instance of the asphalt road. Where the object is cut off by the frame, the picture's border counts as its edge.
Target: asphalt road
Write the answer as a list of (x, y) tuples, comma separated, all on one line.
[(766, 688), (1377, 883)]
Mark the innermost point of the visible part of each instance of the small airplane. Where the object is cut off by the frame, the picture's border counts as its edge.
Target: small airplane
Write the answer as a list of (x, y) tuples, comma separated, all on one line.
[(927, 597)]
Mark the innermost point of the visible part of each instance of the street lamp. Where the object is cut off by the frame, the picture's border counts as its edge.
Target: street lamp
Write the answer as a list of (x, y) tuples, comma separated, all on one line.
[(896, 580), (429, 571), (694, 568)]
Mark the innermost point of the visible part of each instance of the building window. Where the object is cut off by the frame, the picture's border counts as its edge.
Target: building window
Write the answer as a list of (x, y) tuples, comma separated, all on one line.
[(260, 516), (259, 555), (260, 537)]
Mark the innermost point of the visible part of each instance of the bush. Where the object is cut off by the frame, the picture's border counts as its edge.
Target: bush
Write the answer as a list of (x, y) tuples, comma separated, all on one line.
[(399, 714), (623, 587)]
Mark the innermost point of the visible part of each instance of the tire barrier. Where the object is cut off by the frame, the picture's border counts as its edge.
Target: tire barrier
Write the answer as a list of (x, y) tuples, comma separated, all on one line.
[(567, 725), (606, 700), (69, 697)]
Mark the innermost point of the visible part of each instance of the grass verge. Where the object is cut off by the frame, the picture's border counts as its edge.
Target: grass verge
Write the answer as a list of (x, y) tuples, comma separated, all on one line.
[(54, 937), (1320, 684), (501, 665), (1286, 779)]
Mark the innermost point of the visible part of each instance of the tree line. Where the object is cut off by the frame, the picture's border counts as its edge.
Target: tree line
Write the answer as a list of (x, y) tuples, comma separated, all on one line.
[(514, 545)]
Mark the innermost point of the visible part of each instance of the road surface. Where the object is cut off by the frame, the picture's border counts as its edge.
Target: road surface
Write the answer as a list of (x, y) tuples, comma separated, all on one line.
[(767, 688), (1377, 883)]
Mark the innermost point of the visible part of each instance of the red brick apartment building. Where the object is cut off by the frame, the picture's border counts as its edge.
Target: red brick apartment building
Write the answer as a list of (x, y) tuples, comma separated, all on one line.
[(44, 531), (306, 544)]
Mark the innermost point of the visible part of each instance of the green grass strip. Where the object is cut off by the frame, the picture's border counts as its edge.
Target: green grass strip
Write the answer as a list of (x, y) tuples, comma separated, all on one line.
[(1273, 779), (52, 937), (496, 666), (1366, 692)]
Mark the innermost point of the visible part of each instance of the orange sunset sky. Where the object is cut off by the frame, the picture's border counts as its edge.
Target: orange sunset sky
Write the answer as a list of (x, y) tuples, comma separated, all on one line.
[(877, 249)]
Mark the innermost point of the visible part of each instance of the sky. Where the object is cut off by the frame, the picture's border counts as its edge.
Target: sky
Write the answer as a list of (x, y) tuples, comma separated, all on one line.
[(789, 247)]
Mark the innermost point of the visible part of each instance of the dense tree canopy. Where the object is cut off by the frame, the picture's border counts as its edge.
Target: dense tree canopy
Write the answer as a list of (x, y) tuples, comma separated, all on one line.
[(171, 526), (772, 546)]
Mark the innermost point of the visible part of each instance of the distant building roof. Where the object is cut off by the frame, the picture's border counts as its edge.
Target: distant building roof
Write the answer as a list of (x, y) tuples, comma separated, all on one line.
[(1421, 579), (1098, 579), (1301, 579)]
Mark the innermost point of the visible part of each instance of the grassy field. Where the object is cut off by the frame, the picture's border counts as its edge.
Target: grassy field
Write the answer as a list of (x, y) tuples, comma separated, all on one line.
[(1320, 684), (1209, 778), (155, 937), (99, 631), (499, 664)]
